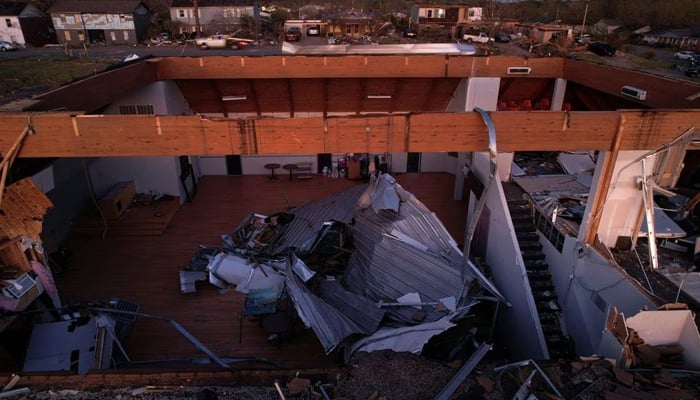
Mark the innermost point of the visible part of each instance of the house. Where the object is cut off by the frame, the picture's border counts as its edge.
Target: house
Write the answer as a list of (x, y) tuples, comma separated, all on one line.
[(78, 22), (543, 33), (678, 38), (151, 121), (350, 23), (605, 27), (214, 15), (453, 18), (24, 24)]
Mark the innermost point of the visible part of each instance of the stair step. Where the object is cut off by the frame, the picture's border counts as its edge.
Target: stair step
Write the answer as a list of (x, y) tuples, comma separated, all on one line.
[(532, 255), (544, 295), (528, 236), (539, 265), (541, 284), (528, 245), (524, 226), (548, 316), (536, 275), (543, 306), (518, 202)]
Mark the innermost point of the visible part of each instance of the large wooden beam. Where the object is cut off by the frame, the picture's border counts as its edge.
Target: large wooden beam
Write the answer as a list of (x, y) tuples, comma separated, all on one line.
[(370, 66), (64, 135)]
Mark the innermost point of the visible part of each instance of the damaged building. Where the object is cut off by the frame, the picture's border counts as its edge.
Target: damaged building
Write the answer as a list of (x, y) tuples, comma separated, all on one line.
[(290, 212)]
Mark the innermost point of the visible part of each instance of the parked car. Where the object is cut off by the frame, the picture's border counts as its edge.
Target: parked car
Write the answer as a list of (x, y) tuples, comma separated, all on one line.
[(293, 34), (502, 37), (693, 72), (7, 46), (601, 49), (480, 37), (214, 42), (313, 31), (410, 33), (684, 55)]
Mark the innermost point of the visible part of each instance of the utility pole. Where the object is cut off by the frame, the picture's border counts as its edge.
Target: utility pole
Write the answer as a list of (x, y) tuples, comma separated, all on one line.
[(583, 25)]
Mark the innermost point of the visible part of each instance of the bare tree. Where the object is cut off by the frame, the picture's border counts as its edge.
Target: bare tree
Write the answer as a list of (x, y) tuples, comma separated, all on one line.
[(198, 27)]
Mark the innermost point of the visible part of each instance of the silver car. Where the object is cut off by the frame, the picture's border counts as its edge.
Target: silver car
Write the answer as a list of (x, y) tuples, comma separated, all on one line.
[(7, 46)]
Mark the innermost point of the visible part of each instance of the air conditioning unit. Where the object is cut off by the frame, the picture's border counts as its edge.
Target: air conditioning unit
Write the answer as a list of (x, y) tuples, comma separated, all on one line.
[(16, 288), (634, 93), (519, 70)]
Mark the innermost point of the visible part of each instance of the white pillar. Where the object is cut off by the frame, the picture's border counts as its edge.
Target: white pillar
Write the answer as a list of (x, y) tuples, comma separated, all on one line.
[(558, 95)]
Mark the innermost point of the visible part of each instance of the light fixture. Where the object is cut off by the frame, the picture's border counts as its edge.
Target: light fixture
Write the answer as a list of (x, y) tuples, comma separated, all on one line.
[(634, 92), (378, 96), (519, 70), (234, 98)]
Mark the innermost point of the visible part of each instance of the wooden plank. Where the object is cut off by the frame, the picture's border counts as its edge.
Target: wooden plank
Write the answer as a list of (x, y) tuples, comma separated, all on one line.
[(601, 192), (497, 66), (64, 135), (23, 210)]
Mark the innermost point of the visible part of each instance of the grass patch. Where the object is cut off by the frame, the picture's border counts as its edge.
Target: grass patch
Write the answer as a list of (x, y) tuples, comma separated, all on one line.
[(22, 73)]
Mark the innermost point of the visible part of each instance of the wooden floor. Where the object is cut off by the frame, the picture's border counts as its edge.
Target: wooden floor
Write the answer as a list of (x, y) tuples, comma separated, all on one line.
[(145, 269)]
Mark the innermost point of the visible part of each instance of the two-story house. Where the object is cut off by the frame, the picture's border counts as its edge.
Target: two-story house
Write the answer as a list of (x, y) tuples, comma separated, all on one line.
[(24, 24), (451, 17), (119, 22), (214, 15)]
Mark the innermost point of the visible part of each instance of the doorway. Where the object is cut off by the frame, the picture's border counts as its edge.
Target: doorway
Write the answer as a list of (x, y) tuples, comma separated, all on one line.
[(413, 162), (233, 165)]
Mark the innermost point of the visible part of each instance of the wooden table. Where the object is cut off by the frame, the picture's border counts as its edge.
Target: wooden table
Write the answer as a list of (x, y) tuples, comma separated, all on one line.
[(291, 167), (272, 167)]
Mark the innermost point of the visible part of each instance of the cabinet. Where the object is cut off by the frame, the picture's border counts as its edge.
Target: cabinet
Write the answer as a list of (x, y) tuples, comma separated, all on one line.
[(354, 170)]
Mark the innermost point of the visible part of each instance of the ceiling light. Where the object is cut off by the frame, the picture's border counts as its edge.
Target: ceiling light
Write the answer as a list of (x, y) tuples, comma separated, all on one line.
[(379, 96), (234, 98)]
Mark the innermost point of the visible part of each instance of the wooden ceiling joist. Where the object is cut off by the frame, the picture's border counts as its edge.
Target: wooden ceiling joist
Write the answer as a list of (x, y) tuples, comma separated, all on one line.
[(65, 135)]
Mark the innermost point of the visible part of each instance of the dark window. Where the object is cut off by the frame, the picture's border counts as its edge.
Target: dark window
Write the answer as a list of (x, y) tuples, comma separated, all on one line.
[(8, 22), (144, 109)]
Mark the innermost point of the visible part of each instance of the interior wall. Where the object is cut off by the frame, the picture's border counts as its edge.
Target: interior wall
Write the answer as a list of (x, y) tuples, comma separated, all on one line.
[(156, 175), (587, 287), (624, 204), (508, 272), (69, 195)]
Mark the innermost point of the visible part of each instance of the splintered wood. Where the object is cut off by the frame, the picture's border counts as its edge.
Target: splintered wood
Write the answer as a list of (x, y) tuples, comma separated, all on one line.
[(22, 212)]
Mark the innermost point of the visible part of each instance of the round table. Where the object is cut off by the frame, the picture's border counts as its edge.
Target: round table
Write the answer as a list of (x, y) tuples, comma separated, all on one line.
[(291, 168), (272, 167)]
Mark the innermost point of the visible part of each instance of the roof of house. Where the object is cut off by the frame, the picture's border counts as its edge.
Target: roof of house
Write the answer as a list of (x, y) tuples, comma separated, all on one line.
[(95, 6), (11, 8), (214, 3)]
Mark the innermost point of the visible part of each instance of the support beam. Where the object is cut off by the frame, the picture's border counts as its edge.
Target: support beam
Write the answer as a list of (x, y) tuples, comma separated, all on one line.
[(601, 192), (66, 135)]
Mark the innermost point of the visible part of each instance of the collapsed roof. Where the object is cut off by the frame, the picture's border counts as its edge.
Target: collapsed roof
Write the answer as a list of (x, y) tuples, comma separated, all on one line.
[(405, 279)]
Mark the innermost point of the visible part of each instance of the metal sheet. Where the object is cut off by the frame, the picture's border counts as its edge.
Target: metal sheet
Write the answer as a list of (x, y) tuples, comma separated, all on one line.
[(418, 48), (404, 339), (365, 313), (330, 325)]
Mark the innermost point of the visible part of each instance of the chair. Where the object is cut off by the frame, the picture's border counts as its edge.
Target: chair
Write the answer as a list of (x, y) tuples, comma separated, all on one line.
[(304, 170)]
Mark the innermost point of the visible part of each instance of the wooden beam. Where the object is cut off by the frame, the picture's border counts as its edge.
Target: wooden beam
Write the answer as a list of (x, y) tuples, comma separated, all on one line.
[(65, 135), (601, 192), (353, 66)]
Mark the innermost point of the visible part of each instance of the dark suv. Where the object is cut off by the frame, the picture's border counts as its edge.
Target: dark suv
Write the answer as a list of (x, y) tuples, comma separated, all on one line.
[(293, 34), (601, 49)]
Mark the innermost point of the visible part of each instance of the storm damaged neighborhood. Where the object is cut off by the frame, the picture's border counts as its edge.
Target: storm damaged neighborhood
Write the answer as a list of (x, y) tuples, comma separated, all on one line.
[(353, 220)]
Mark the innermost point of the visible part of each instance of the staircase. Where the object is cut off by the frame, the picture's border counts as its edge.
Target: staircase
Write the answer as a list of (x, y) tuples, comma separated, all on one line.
[(540, 278)]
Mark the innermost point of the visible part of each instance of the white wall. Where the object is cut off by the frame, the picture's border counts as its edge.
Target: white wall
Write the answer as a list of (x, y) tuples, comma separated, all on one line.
[(624, 204), (508, 272), (158, 175), (483, 93), (12, 33), (587, 286)]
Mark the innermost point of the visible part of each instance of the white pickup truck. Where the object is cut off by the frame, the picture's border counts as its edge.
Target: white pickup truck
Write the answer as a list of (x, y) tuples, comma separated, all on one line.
[(481, 37), (221, 42)]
